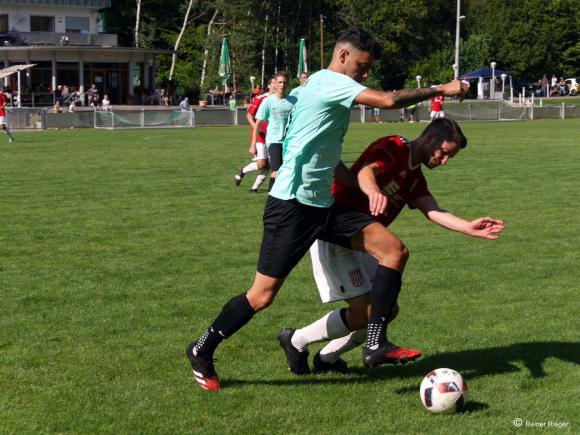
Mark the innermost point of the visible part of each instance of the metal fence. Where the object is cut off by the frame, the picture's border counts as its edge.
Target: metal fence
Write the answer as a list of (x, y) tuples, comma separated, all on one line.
[(41, 118)]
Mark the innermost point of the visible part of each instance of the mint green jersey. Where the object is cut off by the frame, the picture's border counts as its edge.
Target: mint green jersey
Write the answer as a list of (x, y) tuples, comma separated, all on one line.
[(296, 91), (275, 111), (314, 137)]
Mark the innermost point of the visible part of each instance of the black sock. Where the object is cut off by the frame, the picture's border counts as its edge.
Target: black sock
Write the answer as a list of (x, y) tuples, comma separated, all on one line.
[(272, 179), (235, 314), (384, 294)]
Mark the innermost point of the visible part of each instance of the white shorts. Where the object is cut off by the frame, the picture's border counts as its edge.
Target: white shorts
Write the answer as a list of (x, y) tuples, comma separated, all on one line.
[(435, 115), (2, 120), (341, 273), (261, 151)]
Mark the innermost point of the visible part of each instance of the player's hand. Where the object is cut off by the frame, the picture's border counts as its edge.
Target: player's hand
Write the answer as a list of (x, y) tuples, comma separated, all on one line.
[(455, 88), (486, 228), (377, 203), (253, 150)]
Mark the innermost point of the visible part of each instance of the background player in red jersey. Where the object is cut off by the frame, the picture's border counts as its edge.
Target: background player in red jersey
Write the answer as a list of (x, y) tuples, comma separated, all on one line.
[(3, 124), (390, 177), (437, 107), (260, 161)]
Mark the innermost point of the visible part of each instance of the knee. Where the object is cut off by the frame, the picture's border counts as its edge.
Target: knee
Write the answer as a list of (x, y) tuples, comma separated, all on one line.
[(261, 299), (394, 253), (261, 164)]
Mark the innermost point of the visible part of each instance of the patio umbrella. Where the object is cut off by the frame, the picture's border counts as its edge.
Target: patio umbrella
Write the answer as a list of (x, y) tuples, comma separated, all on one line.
[(302, 62), (225, 68)]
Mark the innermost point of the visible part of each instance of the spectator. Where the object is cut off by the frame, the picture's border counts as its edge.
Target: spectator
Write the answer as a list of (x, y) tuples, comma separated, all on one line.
[(257, 90), (93, 94), (377, 115), (184, 105), (554, 80), (164, 97), (232, 102), (58, 94), (562, 86), (57, 107), (106, 103)]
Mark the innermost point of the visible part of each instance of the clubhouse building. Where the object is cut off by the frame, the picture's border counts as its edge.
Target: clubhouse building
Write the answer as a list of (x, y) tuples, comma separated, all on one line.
[(67, 41)]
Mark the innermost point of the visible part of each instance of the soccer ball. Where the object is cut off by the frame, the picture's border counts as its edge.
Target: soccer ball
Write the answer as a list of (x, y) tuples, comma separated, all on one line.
[(443, 390)]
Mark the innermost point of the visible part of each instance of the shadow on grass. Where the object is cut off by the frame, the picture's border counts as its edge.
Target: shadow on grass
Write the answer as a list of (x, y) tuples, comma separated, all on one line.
[(470, 363)]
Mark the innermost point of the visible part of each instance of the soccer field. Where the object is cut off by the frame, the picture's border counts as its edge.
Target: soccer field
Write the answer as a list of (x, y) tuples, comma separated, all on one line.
[(119, 247)]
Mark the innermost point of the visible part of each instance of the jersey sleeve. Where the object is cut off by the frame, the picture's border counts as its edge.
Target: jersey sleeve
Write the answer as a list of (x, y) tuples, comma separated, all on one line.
[(263, 111), (342, 90), (418, 189), (253, 107)]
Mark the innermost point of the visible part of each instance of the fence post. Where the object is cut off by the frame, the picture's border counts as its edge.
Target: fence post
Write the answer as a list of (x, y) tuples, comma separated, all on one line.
[(236, 116), (563, 111), (499, 110), (142, 117), (532, 112), (191, 117), (469, 111), (44, 119), (363, 110)]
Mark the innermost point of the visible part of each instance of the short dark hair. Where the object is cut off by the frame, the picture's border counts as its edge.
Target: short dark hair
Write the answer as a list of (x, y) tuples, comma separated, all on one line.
[(281, 74), (446, 129), (361, 40)]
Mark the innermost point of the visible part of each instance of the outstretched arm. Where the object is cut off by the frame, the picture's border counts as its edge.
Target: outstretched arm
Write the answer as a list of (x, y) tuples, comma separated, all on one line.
[(406, 97), (367, 181), (483, 227)]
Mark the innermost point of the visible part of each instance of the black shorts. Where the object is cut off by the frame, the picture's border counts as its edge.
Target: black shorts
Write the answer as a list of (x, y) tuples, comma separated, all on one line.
[(275, 153), (290, 228)]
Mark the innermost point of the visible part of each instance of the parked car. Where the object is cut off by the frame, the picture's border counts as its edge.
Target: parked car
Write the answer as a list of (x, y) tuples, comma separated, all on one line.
[(572, 85)]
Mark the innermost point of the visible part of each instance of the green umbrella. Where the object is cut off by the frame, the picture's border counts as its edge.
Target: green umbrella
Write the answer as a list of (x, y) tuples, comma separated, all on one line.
[(225, 68), (302, 65)]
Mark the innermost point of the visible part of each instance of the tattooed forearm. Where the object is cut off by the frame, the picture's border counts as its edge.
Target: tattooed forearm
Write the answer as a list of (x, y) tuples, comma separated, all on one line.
[(406, 97)]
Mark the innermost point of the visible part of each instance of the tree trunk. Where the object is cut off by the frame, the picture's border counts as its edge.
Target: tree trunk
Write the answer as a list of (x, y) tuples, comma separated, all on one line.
[(264, 51), (137, 22), (174, 56), (206, 52), (276, 43)]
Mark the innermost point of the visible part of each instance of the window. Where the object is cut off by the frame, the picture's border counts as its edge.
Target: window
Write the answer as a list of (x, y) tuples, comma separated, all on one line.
[(77, 25), (41, 24), (3, 23)]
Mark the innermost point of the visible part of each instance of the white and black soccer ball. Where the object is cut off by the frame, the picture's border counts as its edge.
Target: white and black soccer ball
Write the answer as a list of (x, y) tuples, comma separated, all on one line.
[(443, 390)]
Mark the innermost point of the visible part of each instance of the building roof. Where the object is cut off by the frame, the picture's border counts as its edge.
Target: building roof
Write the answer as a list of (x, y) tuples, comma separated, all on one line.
[(86, 49), (82, 3)]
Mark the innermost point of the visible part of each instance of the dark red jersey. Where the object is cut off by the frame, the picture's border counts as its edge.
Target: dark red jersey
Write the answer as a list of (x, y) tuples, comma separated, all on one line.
[(253, 109), (437, 104), (398, 180), (3, 101)]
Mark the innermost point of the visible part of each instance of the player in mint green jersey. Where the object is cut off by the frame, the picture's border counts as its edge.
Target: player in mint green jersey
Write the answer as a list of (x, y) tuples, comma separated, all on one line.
[(275, 110), (301, 208)]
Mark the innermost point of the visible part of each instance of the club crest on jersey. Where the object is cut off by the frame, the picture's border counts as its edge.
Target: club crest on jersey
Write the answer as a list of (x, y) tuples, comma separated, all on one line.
[(356, 277), (391, 188)]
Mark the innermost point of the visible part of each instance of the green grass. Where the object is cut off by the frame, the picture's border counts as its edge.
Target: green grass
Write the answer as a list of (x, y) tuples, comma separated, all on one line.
[(118, 248)]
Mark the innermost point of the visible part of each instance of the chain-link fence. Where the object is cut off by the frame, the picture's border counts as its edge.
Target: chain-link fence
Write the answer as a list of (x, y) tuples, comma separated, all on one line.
[(40, 118)]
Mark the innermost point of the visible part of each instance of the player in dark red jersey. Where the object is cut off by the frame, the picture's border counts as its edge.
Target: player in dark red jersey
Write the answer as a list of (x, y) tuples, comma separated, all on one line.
[(437, 107), (390, 178), (3, 124), (260, 154)]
